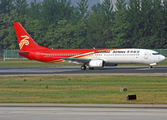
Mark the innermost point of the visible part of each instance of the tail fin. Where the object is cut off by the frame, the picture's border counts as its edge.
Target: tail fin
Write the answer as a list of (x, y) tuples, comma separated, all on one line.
[(24, 39)]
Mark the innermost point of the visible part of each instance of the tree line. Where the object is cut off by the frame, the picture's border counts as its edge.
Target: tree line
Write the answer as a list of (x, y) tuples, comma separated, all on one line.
[(59, 24)]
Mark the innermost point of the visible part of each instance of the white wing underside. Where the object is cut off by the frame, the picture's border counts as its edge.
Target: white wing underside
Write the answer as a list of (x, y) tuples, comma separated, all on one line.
[(79, 60)]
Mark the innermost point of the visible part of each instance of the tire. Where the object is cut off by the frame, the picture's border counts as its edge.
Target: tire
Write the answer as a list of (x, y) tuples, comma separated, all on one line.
[(83, 67)]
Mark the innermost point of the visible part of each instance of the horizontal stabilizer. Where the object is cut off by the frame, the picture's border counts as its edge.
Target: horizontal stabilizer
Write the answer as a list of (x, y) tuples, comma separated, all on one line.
[(23, 52), (18, 51)]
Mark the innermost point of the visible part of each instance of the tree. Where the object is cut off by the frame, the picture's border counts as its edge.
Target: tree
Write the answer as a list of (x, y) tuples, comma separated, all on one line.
[(120, 5), (97, 31), (158, 23), (21, 6), (96, 8), (6, 6), (82, 8), (120, 29), (146, 13), (134, 18), (67, 35), (7, 33), (147, 23), (34, 10), (107, 8), (35, 29), (54, 10)]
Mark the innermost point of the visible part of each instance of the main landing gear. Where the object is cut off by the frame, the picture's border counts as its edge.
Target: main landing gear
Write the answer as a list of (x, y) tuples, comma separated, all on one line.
[(150, 67), (83, 67)]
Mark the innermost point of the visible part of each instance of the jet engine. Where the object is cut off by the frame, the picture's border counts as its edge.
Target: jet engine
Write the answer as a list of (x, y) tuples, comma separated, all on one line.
[(96, 63)]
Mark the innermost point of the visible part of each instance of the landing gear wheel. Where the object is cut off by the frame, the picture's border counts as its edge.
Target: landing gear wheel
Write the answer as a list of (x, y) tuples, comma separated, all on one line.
[(83, 67), (150, 67), (91, 68)]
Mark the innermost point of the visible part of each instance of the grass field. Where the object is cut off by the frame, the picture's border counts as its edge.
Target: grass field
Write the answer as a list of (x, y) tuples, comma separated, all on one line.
[(28, 63), (83, 89)]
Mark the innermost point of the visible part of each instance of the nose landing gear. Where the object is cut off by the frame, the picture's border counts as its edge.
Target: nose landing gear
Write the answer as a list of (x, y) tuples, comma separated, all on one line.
[(151, 65)]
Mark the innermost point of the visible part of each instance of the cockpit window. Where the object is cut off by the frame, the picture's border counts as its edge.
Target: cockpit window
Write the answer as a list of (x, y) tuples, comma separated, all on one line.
[(156, 53)]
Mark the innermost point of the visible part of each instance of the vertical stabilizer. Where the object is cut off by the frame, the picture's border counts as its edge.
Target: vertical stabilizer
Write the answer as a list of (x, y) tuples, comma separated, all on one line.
[(24, 39)]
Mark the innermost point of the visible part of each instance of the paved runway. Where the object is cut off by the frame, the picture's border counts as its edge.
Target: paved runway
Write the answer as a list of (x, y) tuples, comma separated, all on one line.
[(82, 112), (130, 70)]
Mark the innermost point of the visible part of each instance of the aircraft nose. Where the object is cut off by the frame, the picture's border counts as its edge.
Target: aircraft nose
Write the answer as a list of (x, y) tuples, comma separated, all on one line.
[(162, 57)]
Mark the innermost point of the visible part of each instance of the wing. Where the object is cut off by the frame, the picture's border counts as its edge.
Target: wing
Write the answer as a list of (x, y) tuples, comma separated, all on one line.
[(75, 59)]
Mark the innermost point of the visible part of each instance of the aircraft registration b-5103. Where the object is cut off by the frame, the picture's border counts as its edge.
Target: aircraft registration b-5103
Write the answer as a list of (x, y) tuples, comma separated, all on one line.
[(94, 58)]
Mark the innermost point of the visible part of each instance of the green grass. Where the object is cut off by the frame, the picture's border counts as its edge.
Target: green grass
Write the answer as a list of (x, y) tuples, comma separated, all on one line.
[(28, 63), (83, 89)]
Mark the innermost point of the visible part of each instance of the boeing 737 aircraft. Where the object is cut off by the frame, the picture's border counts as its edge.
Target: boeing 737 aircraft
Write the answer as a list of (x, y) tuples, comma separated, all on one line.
[(94, 58)]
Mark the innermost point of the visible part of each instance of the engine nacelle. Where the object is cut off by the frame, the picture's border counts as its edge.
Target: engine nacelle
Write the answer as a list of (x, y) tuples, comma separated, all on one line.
[(96, 63)]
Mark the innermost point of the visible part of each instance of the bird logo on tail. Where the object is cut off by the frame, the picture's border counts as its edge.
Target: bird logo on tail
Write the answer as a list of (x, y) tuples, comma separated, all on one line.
[(24, 41)]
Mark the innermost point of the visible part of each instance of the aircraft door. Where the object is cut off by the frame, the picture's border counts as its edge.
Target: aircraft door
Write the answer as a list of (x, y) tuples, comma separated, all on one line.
[(37, 55), (146, 55)]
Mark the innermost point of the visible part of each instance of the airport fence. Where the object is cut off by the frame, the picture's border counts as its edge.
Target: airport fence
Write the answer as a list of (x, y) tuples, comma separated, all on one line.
[(13, 54), (1, 54)]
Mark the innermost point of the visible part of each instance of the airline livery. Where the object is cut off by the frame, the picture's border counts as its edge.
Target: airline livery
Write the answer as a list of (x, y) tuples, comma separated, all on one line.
[(94, 58)]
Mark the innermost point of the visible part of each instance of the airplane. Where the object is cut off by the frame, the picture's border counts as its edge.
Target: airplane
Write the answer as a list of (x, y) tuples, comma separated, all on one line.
[(93, 58)]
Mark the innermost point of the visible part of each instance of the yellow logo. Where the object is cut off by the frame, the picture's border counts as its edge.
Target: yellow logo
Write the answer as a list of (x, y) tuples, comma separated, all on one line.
[(100, 64), (24, 41)]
